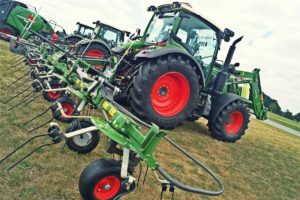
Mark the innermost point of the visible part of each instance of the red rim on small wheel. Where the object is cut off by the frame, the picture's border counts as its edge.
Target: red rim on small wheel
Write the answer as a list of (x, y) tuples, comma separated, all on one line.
[(234, 122), (107, 188), (68, 108), (170, 94), (54, 95)]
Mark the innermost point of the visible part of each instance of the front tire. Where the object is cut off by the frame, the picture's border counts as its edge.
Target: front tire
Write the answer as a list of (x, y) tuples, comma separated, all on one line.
[(84, 143), (101, 180), (165, 91), (231, 123)]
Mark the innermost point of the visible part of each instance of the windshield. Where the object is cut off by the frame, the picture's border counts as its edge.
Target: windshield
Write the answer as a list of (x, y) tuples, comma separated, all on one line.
[(199, 38), (159, 27), (85, 31), (113, 36)]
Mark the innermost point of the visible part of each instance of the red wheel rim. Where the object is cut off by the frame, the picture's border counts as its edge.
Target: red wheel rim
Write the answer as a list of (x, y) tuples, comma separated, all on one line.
[(54, 95), (234, 122), (107, 188), (95, 54), (170, 94), (68, 108), (6, 30)]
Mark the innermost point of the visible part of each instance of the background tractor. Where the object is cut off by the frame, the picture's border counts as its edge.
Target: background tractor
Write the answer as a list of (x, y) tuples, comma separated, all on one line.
[(82, 31), (15, 16), (96, 42), (170, 74)]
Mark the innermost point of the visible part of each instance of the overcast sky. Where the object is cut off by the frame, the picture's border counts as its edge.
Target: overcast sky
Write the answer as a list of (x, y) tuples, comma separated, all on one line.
[(271, 29)]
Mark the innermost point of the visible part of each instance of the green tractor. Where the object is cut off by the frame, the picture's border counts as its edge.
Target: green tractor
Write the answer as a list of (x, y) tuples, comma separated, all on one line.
[(15, 17), (105, 37), (82, 31), (170, 74)]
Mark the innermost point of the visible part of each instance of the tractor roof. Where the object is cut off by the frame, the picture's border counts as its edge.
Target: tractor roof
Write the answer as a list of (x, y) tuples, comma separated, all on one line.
[(84, 25), (186, 8), (99, 22), (15, 2)]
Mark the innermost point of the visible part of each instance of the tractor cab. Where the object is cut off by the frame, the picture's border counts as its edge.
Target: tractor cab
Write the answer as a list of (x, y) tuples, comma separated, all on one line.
[(6, 7), (111, 35), (84, 30), (16, 17), (175, 25)]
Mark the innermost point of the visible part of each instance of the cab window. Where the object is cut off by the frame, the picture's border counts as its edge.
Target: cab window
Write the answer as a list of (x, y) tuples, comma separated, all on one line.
[(3, 10), (199, 38)]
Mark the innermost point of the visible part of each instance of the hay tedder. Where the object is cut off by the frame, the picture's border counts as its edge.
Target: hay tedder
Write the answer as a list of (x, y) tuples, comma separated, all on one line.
[(165, 76)]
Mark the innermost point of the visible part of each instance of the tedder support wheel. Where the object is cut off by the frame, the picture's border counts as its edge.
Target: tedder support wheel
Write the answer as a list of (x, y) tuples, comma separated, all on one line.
[(53, 96), (86, 142), (165, 91), (101, 180), (231, 123), (70, 108)]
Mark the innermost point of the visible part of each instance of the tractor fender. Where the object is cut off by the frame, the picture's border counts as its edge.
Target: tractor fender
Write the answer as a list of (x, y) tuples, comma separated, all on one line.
[(148, 54), (219, 102), (95, 41), (74, 36)]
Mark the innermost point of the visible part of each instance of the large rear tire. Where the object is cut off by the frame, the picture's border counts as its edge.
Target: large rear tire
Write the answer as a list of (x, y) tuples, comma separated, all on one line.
[(72, 40), (94, 50), (101, 180), (165, 91), (231, 123)]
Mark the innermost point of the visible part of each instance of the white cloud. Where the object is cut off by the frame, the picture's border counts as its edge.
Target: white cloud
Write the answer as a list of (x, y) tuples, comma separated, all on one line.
[(271, 30)]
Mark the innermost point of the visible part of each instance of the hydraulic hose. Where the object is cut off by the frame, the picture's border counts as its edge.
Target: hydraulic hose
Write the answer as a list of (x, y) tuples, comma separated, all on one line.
[(189, 188)]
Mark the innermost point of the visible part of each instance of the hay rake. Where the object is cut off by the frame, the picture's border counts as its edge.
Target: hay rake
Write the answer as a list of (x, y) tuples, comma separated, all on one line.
[(104, 178)]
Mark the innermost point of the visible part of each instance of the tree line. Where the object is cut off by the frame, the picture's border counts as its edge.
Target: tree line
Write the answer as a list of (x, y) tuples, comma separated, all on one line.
[(274, 107)]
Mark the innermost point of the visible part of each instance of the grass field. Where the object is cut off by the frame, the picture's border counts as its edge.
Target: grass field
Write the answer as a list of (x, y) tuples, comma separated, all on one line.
[(264, 164), (284, 121)]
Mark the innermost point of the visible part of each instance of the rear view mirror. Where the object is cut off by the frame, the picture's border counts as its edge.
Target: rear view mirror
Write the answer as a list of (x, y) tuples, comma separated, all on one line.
[(151, 9), (227, 34)]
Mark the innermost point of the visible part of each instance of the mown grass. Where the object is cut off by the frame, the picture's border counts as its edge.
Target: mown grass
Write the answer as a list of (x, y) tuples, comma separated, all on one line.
[(265, 164), (284, 121)]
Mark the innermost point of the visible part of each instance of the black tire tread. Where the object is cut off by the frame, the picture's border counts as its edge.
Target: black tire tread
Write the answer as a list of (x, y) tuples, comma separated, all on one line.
[(92, 171), (144, 76), (216, 127)]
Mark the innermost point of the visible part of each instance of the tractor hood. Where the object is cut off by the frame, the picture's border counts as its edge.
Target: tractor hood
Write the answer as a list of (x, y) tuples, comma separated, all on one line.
[(135, 45)]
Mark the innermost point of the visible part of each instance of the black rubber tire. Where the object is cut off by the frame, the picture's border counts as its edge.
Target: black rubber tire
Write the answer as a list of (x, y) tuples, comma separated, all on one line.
[(144, 80), (56, 84), (12, 30), (217, 128), (94, 46), (72, 40), (96, 171), (93, 143), (74, 109), (193, 118)]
